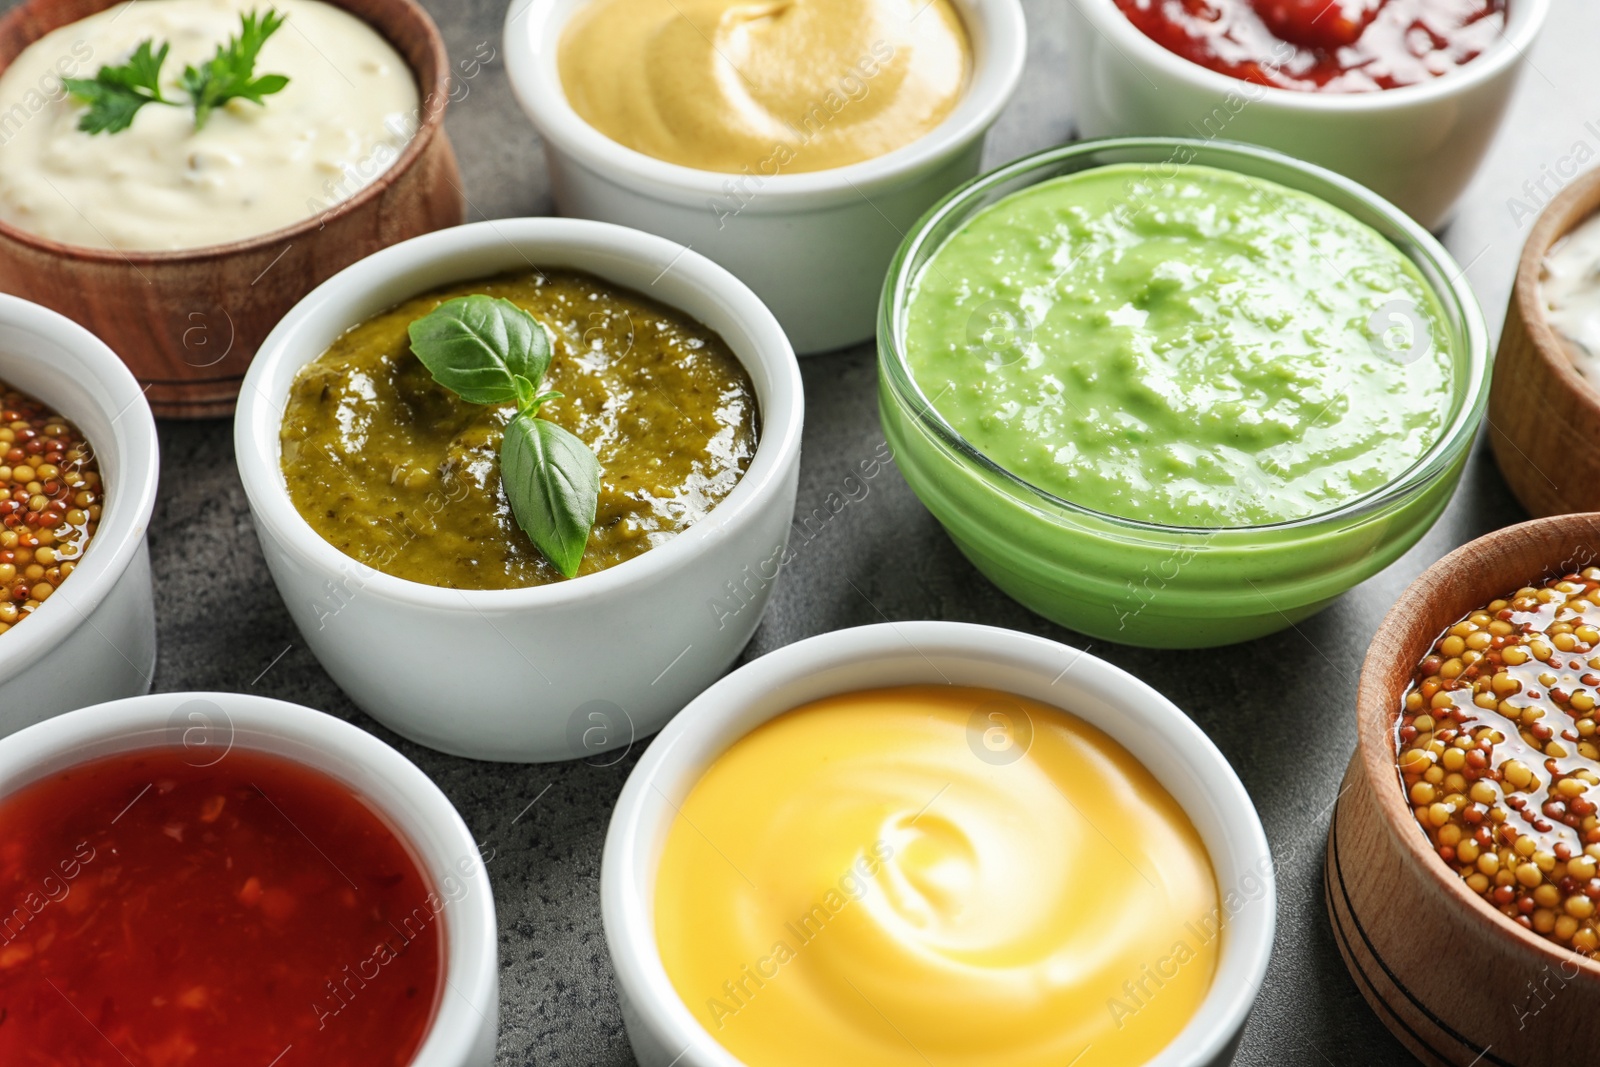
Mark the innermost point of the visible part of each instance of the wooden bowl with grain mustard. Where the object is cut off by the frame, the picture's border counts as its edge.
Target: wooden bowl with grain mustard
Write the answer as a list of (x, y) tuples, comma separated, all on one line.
[(1541, 407), (1462, 859), (183, 258)]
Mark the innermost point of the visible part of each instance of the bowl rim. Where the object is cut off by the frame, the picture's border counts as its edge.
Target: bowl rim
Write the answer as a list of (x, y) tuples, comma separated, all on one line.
[(1457, 435), (429, 126), (1524, 20), (716, 719), (470, 962), (782, 413), (1378, 708), (130, 496), (1549, 229), (997, 29)]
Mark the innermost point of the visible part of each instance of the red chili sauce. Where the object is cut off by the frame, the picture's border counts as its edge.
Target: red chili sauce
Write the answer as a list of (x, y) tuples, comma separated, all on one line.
[(246, 914), (1339, 46)]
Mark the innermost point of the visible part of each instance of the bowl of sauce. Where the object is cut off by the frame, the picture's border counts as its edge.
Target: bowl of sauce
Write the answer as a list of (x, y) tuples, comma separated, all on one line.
[(1466, 832), (649, 77), (78, 471), (1570, 285), (192, 230), (935, 841), (381, 502), (668, 409), (791, 143), (52, 491), (1359, 47), (213, 878), (1404, 96), (1546, 386), (1175, 394)]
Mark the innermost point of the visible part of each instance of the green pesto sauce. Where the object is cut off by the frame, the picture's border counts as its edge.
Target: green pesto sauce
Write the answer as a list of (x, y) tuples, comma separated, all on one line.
[(398, 472), (1204, 349)]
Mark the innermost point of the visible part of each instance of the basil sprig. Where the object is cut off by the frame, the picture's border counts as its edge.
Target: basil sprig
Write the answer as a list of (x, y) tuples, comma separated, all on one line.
[(488, 350)]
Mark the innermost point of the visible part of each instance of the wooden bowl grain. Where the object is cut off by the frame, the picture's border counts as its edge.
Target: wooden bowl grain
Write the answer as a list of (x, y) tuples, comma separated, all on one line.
[(1542, 411), (188, 322), (1456, 981)]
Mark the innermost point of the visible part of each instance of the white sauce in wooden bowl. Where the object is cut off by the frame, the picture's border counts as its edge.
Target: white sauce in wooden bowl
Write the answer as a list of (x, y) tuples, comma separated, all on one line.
[(1571, 291), (349, 109)]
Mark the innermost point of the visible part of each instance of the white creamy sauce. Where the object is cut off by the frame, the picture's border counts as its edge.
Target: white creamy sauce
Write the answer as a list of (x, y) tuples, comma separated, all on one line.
[(350, 107), (1571, 290)]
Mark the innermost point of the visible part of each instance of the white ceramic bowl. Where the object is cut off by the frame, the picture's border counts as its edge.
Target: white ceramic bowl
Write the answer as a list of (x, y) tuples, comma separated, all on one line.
[(207, 726), (1417, 146), (551, 672), (813, 245), (663, 1031), (95, 639)]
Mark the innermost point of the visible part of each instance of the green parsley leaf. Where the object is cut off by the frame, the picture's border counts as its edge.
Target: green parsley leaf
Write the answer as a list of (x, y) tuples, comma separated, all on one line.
[(116, 93), (490, 351), (230, 73)]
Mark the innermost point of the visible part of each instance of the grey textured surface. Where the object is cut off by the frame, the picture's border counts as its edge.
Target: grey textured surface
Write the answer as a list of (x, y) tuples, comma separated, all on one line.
[(1280, 708)]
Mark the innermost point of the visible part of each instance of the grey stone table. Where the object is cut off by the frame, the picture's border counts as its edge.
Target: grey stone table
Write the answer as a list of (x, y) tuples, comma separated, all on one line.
[(1280, 708)]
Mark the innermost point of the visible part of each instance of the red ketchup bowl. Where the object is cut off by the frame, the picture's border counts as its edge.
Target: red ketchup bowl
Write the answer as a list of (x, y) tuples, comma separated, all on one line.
[(1331, 46), (1403, 96), (209, 880)]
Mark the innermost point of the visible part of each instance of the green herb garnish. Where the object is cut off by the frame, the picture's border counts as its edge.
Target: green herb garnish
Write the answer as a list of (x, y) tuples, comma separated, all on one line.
[(230, 73), (116, 93), (488, 350)]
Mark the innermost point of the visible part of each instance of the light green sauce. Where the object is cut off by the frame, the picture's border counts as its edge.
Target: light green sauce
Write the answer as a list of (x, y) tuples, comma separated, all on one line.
[(1201, 350)]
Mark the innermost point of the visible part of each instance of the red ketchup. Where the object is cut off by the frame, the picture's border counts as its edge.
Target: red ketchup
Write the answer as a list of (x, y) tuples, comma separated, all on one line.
[(1340, 46), (246, 914)]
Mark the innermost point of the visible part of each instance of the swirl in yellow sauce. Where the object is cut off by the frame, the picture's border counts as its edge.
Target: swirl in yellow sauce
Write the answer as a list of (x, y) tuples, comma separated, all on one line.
[(869, 879)]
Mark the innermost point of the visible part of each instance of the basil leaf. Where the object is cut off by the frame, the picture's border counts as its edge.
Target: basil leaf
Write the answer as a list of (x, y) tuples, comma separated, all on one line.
[(490, 351), (526, 393), (553, 483), (477, 346)]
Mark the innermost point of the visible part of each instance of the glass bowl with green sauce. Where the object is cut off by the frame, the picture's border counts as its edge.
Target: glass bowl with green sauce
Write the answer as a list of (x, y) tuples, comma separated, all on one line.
[(1175, 393)]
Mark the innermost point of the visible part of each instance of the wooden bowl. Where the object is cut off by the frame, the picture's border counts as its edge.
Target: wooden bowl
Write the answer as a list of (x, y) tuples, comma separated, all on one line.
[(188, 322), (1456, 981), (1542, 412)]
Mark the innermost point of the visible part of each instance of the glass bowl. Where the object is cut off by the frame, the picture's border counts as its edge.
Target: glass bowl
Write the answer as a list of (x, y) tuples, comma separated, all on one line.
[(1161, 586)]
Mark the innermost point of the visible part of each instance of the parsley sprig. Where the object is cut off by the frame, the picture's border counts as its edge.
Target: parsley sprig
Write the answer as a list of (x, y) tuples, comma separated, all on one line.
[(116, 93), (230, 73)]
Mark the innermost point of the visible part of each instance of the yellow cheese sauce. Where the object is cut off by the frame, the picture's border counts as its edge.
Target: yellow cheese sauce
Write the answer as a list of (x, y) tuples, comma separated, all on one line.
[(936, 875), (764, 86)]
